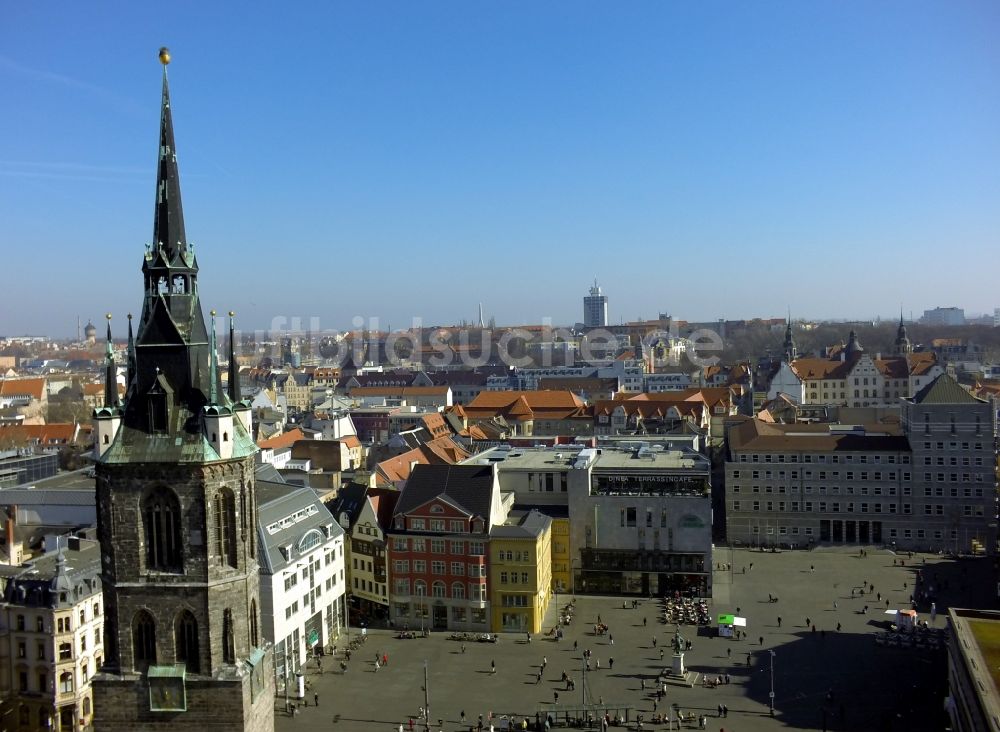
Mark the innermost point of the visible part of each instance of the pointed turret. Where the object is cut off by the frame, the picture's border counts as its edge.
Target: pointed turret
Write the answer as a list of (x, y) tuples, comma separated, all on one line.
[(213, 369), (108, 418), (110, 373), (234, 369), (130, 372)]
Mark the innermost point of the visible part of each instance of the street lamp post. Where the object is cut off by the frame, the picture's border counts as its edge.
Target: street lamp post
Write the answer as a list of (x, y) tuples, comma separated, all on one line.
[(771, 698)]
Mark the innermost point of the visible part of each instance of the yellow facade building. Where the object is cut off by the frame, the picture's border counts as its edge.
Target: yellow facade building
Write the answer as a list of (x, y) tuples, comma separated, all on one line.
[(520, 577)]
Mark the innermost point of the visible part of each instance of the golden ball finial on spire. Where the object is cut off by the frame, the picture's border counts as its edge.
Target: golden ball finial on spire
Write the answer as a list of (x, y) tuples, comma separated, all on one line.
[(164, 55), (108, 316), (212, 313), (232, 313)]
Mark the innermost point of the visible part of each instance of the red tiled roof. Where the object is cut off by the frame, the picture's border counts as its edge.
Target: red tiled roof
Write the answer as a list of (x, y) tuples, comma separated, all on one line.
[(285, 439), (34, 388), (58, 433)]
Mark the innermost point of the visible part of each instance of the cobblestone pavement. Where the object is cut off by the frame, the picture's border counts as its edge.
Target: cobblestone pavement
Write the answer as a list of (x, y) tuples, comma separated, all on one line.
[(838, 680)]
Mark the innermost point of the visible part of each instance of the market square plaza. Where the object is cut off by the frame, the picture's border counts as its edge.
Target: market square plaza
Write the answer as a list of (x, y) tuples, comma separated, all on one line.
[(823, 678)]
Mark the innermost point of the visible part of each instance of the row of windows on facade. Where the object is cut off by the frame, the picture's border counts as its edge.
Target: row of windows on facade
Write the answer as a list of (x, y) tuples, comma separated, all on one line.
[(477, 616), (628, 517), (309, 599), (438, 546), (475, 592), (372, 588), (162, 528), (186, 645), (835, 507), (402, 566), (64, 651), (64, 623), (368, 548), (893, 533), (67, 682), (878, 490), (953, 460), (455, 526), (44, 715), (809, 457), (313, 566)]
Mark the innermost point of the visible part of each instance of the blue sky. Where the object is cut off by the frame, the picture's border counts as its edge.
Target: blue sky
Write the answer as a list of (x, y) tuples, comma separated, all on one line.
[(411, 159)]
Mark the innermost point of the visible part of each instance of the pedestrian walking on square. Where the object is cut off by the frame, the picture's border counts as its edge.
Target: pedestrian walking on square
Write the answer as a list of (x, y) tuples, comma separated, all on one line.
[(611, 639), (493, 666), (316, 700), (645, 621), (725, 710), (555, 697), (538, 677), (611, 664), (835, 605), (729, 653), (812, 568), (808, 622), (385, 659), (598, 664), (751, 566), (838, 627), (727, 678), (761, 640), (462, 716), (463, 648), (654, 641), (720, 710), (748, 660), (545, 661), (779, 621)]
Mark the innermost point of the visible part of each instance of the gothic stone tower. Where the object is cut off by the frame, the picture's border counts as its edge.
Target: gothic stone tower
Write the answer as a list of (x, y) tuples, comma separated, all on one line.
[(177, 510)]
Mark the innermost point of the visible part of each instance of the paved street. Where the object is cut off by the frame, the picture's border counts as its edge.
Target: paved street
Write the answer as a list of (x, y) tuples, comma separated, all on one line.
[(840, 678)]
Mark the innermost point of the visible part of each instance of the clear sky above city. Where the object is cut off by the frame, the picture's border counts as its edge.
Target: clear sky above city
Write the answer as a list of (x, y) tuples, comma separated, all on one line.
[(411, 159)]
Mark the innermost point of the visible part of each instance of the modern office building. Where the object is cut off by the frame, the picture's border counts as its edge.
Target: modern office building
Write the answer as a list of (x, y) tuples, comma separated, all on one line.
[(595, 308)]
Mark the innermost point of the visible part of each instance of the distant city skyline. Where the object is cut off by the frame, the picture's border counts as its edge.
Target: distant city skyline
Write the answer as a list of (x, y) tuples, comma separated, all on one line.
[(406, 161)]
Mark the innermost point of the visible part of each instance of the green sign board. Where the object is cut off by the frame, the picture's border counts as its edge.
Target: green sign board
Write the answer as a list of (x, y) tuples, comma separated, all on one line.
[(313, 637)]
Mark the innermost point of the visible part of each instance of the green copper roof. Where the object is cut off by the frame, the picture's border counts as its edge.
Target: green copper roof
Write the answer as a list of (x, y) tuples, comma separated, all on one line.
[(945, 390)]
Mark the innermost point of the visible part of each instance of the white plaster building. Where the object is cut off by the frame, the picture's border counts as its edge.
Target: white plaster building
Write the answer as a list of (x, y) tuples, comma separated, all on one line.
[(302, 581)]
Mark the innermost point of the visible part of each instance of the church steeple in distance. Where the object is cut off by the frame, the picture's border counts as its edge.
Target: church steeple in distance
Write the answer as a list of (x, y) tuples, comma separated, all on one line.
[(789, 346), (903, 345)]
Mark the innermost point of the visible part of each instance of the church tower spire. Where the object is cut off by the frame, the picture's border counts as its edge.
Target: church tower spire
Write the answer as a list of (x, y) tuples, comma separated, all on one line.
[(168, 220), (177, 513), (234, 369)]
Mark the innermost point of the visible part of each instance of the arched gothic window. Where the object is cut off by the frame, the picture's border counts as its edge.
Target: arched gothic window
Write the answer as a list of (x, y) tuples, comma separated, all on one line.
[(225, 529), (143, 640), (186, 641), (161, 518), (254, 641), (228, 637)]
